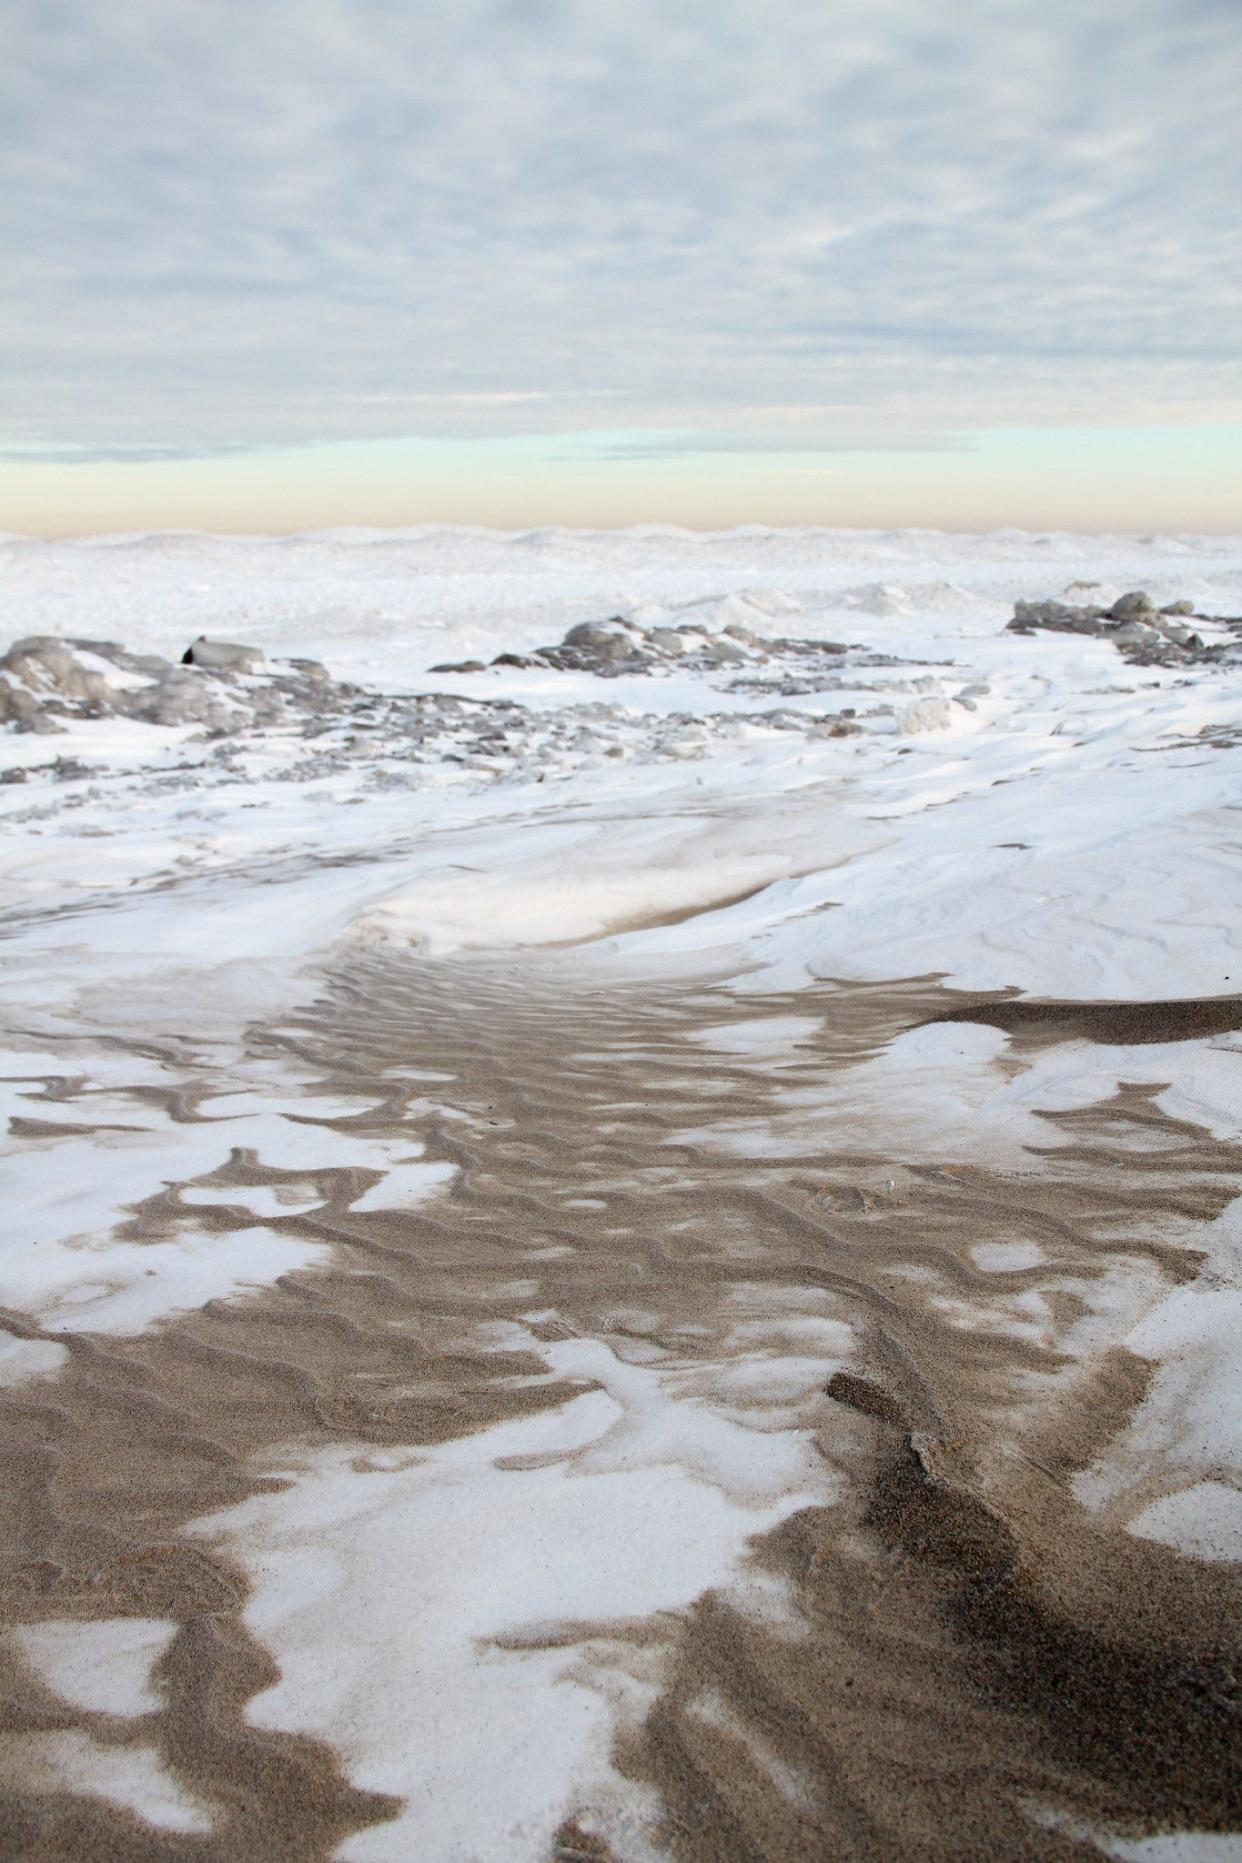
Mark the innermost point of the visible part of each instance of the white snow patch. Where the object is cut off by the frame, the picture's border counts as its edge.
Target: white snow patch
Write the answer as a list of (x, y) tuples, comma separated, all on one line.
[(132, 1777), (407, 1605), (21, 1359), (103, 1666)]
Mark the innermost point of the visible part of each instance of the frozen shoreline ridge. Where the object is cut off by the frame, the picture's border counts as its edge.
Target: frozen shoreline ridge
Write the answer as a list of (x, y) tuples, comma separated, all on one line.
[(622, 1161)]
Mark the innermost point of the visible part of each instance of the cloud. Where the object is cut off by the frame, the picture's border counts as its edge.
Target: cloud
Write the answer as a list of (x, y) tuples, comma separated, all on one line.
[(750, 441), (73, 453), (284, 220)]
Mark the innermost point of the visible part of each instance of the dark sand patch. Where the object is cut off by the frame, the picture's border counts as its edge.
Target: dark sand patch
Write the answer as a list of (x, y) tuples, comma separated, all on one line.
[(1038, 1022)]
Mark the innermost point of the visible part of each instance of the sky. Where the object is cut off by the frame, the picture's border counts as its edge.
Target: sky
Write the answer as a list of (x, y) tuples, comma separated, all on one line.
[(285, 263)]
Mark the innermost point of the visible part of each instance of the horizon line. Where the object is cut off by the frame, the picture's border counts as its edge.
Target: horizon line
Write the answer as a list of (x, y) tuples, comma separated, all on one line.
[(344, 532)]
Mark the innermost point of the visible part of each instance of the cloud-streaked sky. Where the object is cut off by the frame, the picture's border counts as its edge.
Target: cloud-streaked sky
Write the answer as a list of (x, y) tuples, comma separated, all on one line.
[(526, 260)]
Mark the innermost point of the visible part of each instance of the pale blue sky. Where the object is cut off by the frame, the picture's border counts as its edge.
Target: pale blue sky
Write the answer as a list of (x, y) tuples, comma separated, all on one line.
[(522, 261)]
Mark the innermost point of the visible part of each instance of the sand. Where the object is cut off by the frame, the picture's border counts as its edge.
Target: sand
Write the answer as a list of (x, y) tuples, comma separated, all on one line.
[(967, 1663)]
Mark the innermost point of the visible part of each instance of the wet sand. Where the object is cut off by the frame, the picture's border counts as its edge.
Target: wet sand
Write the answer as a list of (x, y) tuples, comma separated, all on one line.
[(972, 1665), (1038, 1022)]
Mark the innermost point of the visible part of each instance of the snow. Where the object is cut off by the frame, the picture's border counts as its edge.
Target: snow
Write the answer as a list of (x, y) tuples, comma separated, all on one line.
[(28, 1358), (104, 1667), (134, 1776), (389, 599), (647, 1503), (1188, 1847), (1190, 1425), (1005, 813), (124, 1287)]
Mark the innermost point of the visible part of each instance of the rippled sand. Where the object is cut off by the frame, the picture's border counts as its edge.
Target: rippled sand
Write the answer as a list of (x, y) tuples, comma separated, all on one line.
[(944, 1655)]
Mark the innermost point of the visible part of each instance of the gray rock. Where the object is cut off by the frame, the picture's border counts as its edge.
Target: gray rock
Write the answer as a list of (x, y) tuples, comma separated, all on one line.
[(842, 725), (179, 698), (15, 703), (1038, 614), (70, 770), (605, 641), (1061, 619), (1135, 606), (1145, 635), (1134, 634), (723, 652), (49, 666), (222, 656)]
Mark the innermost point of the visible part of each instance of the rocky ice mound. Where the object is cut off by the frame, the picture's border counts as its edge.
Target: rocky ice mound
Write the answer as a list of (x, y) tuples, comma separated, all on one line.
[(1146, 635), (226, 694), (628, 645), (218, 685)]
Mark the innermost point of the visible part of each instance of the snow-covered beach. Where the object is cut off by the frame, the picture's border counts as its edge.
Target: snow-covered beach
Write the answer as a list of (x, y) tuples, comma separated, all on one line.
[(620, 1187)]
